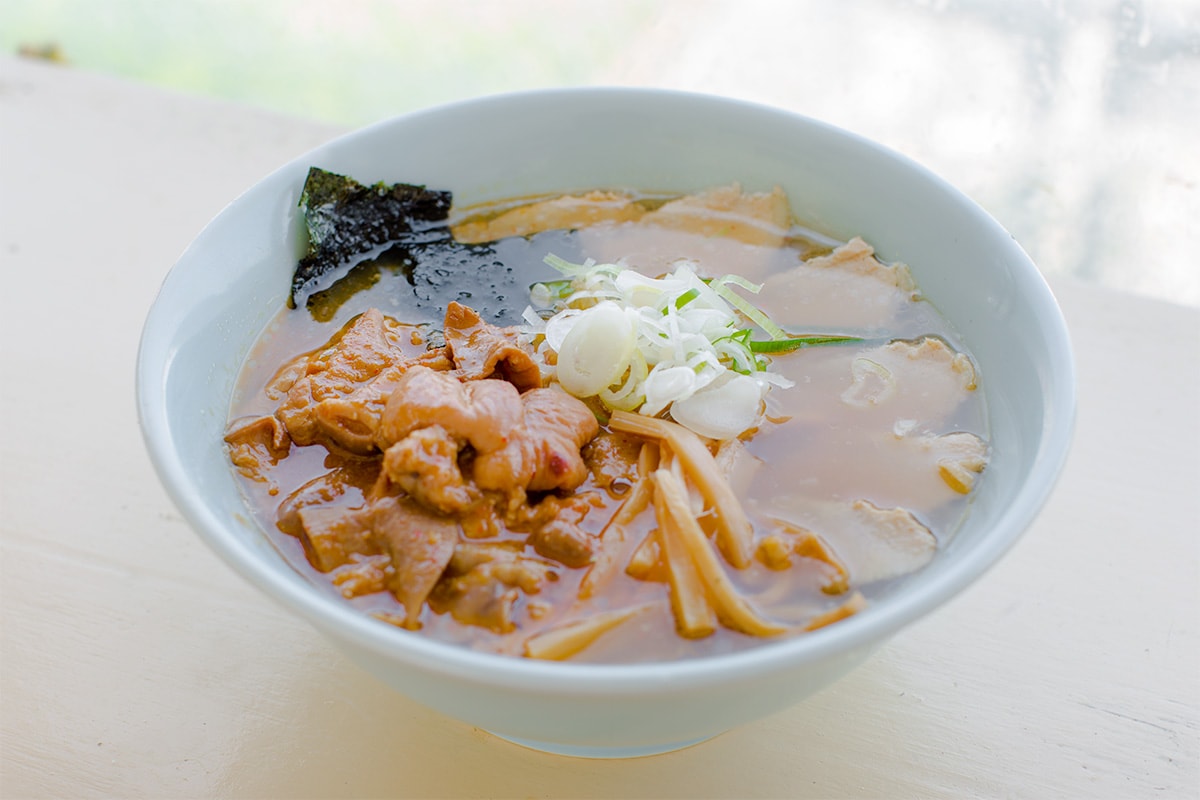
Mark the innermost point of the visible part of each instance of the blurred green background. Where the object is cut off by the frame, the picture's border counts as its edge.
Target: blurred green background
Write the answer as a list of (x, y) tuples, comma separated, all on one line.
[(349, 61), (1073, 122)]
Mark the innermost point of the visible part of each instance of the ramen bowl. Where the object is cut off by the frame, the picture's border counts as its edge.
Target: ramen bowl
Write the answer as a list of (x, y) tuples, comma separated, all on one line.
[(236, 276)]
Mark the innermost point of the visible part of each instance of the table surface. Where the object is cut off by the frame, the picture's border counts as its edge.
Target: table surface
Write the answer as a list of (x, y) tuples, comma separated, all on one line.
[(134, 663)]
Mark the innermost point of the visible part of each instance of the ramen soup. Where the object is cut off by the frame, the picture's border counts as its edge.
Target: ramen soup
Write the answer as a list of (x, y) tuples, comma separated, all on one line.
[(611, 428)]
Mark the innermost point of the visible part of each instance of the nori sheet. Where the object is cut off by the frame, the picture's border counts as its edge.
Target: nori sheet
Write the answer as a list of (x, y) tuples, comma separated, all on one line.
[(359, 234), (347, 220)]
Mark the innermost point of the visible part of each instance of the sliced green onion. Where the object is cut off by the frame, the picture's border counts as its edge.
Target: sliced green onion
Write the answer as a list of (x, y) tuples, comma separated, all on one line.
[(596, 351), (566, 267), (546, 292), (721, 410), (797, 343), (643, 344), (738, 280), (755, 315), (629, 395), (685, 298), (735, 355)]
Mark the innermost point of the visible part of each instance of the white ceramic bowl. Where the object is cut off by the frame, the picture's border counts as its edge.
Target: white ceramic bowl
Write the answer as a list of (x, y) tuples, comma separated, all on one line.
[(235, 276)]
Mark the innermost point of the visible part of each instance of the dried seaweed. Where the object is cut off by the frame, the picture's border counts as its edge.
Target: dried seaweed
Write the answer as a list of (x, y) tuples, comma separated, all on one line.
[(347, 220), (393, 241)]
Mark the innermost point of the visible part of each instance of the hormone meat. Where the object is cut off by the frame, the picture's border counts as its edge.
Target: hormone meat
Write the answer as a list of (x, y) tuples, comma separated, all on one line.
[(543, 453), (346, 486), (420, 544), (257, 444), (439, 447), (479, 412), (332, 536), (480, 350), (335, 395), (425, 465), (484, 583)]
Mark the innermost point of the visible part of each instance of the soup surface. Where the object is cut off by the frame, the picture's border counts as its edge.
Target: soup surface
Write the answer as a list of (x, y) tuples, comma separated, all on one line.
[(422, 461)]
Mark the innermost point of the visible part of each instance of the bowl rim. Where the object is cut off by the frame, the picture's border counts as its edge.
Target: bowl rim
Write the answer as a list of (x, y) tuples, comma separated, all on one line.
[(863, 630)]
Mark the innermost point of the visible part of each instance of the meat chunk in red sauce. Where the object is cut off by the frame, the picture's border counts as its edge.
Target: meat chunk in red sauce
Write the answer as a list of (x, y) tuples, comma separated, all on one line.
[(333, 535), (480, 350), (483, 583), (527, 442), (462, 447), (480, 412), (352, 422), (256, 445), (346, 487), (565, 542), (543, 453), (554, 526), (337, 396), (425, 465), (421, 545)]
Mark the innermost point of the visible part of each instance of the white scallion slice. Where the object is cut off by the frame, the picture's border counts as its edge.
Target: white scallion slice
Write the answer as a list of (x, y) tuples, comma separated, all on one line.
[(666, 385), (723, 409), (629, 395), (558, 326), (596, 351)]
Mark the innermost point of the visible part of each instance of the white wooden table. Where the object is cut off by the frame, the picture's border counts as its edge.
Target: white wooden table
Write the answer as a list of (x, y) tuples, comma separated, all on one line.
[(134, 664)]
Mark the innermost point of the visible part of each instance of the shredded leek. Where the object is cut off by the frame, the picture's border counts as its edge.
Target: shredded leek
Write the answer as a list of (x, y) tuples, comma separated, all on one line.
[(648, 345), (798, 342), (755, 315)]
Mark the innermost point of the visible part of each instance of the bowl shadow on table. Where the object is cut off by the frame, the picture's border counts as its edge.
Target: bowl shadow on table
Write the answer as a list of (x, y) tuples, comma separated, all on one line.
[(347, 733)]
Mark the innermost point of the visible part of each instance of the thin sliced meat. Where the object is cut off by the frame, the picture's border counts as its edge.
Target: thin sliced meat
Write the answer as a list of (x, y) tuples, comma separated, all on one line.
[(846, 289), (856, 257), (761, 219), (480, 350), (887, 543), (961, 456), (923, 380), (566, 212), (420, 544), (332, 535)]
